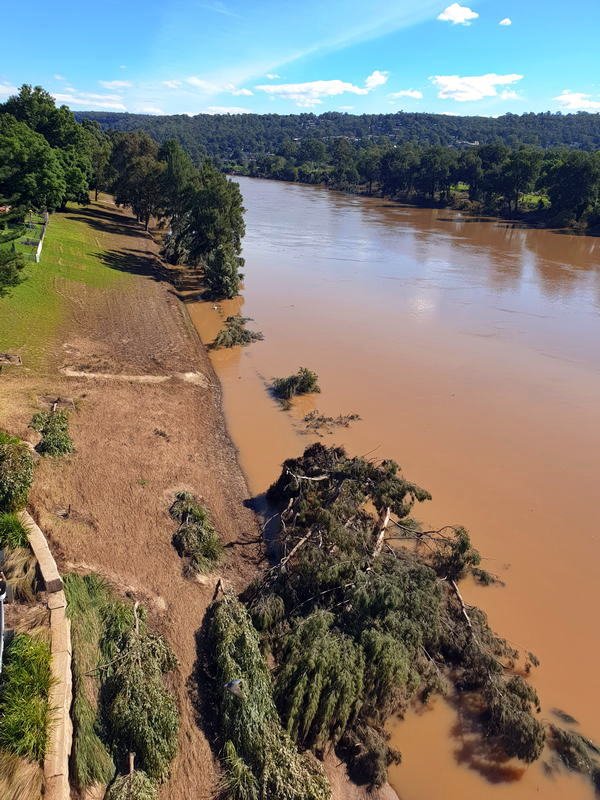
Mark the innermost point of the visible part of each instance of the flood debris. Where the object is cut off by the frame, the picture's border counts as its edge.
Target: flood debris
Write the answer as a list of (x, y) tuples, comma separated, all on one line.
[(320, 423), (235, 333)]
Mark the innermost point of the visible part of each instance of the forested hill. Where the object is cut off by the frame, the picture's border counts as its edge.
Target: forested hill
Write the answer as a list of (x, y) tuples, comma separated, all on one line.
[(225, 136)]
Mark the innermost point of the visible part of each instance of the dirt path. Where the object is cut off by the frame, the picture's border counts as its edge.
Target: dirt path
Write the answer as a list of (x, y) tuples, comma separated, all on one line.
[(137, 441)]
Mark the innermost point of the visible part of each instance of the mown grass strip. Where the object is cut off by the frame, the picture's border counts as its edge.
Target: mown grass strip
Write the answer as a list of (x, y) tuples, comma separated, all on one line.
[(72, 254)]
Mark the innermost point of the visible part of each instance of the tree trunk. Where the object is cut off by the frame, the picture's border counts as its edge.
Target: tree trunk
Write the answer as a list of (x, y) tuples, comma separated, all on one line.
[(384, 521)]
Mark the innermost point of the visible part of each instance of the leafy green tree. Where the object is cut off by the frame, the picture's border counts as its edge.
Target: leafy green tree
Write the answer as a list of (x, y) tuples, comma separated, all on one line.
[(31, 171), (520, 172), (574, 185), (470, 170), (368, 166), (37, 109), (436, 171), (100, 147), (210, 233), (11, 267), (312, 150)]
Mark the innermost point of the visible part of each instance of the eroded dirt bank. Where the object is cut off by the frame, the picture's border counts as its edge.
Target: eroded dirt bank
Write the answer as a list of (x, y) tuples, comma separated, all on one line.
[(136, 443)]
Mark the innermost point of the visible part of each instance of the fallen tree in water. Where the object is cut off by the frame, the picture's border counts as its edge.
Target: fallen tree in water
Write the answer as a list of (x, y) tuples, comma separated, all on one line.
[(362, 613)]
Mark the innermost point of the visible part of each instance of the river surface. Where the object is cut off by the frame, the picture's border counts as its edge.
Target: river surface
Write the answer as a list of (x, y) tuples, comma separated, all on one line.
[(471, 350)]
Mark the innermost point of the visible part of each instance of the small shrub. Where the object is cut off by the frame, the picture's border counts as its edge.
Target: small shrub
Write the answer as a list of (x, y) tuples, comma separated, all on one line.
[(303, 382), (12, 532), (16, 473), (24, 690), (235, 333), (136, 786), (195, 540), (54, 429)]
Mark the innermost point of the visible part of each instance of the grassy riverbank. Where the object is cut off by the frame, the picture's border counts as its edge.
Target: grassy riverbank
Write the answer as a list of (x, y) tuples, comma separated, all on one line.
[(72, 257)]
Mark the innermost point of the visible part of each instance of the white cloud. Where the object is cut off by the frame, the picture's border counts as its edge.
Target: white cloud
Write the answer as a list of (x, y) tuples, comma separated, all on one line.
[(470, 88), (149, 110), (506, 22), (509, 94), (6, 90), (227, 110), (311, 93), (414, 94), (238, 92), (112, 102), (58, 77), (458, 15), (114, 84), (272, 76), (577, 101), (171, 84), (345, 108), (203, 85), (376, 78)]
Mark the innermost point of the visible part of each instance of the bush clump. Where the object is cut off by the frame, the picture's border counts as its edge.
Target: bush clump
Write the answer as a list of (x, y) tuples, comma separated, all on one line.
[(120, 703), (195, 540), (303, 382), (24, 692), (16, 473), (259, 758), (54, 429), (87, 599), (135, 786), (141, 714), (235, 333), (12, 532)]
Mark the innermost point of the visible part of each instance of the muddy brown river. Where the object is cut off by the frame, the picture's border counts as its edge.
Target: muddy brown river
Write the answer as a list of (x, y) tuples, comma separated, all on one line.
[(471, 351)]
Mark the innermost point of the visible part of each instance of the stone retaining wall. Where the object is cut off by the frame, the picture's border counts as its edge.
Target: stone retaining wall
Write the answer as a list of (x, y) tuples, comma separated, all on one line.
[(56, 764)]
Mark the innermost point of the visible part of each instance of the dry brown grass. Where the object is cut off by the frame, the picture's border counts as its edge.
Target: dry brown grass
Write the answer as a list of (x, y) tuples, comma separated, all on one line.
[(19, 779)]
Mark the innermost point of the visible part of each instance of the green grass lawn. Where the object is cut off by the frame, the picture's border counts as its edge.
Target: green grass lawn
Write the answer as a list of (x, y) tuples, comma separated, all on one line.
[(33, 311)]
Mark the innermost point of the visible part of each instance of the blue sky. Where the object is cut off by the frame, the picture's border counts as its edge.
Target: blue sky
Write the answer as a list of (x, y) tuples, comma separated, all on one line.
[(189, 56)]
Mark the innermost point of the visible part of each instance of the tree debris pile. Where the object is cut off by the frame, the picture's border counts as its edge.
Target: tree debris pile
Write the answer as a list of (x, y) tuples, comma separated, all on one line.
[(317, 422), (363, 612), (260, 759), (302, 382), (235, 333), (121, 705), (195, 539)]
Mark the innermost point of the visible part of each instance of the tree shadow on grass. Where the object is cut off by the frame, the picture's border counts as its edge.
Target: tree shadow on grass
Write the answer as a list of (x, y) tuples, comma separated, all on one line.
[(136, 262), (104, 221)]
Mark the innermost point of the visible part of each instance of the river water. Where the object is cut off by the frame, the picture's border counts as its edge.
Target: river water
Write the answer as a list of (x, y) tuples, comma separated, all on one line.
[(471, 350)]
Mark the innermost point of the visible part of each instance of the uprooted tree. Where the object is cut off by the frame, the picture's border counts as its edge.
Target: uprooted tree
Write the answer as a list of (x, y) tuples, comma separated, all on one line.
[(362, 612)]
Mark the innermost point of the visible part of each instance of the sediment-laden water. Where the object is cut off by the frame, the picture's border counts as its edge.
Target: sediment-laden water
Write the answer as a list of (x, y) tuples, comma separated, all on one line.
[(471, 350)]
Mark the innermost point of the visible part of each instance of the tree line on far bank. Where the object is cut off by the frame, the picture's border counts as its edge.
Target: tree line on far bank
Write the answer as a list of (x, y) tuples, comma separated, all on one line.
[(48, 159), (556, 186)]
